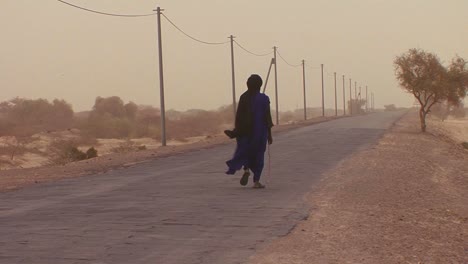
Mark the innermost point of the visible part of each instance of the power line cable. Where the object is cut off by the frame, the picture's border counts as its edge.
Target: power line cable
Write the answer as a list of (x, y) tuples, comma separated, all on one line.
[(253, 53), (104, 13), (193, 38), (292, 65)]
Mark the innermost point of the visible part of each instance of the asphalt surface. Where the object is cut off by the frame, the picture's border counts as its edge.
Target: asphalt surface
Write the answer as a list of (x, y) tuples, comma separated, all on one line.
[(180, 209)]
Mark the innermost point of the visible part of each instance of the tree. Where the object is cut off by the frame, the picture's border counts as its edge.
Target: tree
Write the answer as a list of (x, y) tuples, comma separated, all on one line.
[(422, 74), (457, 75)]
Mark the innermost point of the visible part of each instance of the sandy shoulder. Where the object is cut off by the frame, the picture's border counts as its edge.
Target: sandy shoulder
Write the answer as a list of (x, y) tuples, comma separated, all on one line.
[(403, 201)]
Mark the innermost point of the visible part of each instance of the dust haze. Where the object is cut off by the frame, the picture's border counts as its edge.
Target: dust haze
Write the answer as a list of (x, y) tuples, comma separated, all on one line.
[(50, 50)]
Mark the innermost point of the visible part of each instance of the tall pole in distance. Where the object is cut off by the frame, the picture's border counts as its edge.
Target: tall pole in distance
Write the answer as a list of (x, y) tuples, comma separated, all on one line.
[(373, 101), (355, 90), (323, 95), (356, 98), (344, 96), (336, 97), (304, 88), (276, 87), (350, 98), (360, 95), (367, 105), (161, 81), (233, 77)]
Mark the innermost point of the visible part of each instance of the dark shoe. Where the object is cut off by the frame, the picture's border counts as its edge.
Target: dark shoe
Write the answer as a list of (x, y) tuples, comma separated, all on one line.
[(258, 185), (245, 178), (230, 133), (230, 172)]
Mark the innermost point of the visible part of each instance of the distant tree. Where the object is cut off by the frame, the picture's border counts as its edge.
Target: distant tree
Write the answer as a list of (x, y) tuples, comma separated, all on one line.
[(24, 117), (113, 106), (422, 74), (390, 107), (131, 110), (457, 82)]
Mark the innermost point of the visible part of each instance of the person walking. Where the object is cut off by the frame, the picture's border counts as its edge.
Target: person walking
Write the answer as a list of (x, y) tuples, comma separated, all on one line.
[(252, 132)]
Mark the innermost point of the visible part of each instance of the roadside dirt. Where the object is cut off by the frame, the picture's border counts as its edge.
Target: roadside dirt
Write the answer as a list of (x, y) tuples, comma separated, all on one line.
[(14, 179), (403, 201)]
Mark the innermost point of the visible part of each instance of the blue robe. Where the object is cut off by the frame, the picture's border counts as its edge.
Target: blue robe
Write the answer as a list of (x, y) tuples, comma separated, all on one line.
[(251, 146)]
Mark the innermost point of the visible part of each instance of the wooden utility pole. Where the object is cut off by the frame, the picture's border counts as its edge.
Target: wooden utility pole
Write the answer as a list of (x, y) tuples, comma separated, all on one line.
[(336, 97), (161, 80), (344, 96), (304, 89), (234, 106), (350, 98), (276, 86), (323, 95)]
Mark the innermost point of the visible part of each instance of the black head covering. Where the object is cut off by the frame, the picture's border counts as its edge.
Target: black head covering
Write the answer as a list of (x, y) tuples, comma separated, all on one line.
[(254, 83)]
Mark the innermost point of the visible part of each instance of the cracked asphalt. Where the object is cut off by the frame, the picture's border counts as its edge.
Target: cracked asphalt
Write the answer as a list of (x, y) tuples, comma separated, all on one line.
[(179, 209)]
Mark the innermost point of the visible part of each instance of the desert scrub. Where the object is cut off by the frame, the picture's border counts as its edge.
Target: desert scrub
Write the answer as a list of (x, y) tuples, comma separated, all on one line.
[(465, 145), (65, 151), (91, 153)]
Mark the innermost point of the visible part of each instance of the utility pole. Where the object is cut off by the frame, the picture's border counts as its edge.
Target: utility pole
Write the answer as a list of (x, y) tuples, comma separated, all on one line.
[(344, 96), (161, 80), (276, 87), (373, 101), (356, 99), (336, 97), (233, 77), (323, 96), (350, 98), (304, 88), (360, 95), (367, 105), (355, 91)]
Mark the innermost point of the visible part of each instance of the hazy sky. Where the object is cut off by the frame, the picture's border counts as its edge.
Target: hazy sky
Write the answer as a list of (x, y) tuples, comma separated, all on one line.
[(51, 50)]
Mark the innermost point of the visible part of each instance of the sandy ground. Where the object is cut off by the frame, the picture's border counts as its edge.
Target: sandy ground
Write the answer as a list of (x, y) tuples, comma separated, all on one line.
[(40, 143), (13, 179), (403, 201)]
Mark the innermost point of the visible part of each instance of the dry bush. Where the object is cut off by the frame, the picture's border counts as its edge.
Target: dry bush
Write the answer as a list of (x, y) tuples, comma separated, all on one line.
[(465, 145), (128, 146), (17, 146), (62, 152)]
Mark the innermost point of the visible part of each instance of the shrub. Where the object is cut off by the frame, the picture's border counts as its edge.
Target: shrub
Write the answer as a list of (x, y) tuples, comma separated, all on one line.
[(142, 147), (65, 151), (465, 145), (124, 147), (91, 153)]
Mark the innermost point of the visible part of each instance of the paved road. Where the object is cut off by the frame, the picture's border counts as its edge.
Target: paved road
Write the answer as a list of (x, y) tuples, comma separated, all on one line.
[(180, 209)]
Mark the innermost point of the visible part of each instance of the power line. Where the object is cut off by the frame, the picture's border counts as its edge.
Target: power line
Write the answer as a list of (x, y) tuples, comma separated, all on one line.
[(253, 53), (292, 65), (193, 38), (311, 67), (104, 13)]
